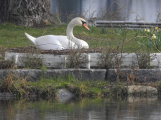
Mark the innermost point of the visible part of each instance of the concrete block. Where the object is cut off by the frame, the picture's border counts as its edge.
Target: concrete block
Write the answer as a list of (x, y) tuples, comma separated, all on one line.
[(81, 74), (28, 74), (59, 61), (156, 62)]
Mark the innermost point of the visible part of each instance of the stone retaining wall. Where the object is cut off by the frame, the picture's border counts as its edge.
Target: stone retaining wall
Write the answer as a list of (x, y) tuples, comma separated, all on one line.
[(148, 75), (58, 61)]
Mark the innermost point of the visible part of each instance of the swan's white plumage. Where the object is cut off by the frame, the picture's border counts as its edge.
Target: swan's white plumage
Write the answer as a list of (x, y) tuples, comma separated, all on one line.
[(32, 39), (59, 42), (53, 42)]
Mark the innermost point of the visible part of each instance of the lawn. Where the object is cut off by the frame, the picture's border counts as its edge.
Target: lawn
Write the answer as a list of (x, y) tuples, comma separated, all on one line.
[(13, 36)]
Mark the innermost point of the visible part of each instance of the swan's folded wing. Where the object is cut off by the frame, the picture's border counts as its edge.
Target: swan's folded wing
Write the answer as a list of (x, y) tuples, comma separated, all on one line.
[(48, 42), (66, 43)]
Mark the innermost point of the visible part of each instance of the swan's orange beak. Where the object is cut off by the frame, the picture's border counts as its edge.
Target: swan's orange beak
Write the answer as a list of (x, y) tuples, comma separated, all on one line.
[(85, 26)]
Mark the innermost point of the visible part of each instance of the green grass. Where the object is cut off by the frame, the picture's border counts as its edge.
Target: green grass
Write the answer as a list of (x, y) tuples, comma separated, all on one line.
[(80, 88), (49, 87), (13, 36)]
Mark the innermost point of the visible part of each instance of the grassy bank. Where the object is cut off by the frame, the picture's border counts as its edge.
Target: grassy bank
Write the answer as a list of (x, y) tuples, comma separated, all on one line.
[(113, 40), (48, 88)]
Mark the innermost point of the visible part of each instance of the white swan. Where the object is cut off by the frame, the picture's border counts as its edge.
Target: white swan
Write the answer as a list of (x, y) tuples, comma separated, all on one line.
[(59, 42)]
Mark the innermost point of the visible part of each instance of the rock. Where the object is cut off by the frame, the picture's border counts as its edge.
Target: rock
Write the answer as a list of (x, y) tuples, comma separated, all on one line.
[(132, 99), (6, 96), (64, 95), (142, 89)]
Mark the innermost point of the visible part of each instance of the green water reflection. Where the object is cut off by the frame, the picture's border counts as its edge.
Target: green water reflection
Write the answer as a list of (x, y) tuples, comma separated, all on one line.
[(81, 109)]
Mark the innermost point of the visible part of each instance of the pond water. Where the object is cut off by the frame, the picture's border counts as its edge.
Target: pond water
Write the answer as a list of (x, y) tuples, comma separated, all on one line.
[(126, 10), (82, 109)]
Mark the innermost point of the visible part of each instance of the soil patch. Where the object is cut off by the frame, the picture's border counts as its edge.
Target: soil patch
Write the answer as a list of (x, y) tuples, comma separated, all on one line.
[(32, 49)]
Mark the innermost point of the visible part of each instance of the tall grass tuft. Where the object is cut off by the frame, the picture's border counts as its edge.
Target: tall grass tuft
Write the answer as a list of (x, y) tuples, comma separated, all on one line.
[(32, 61), (77, 58)]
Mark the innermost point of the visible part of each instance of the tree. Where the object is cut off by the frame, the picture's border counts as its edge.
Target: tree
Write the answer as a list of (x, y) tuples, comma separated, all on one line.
[(25, 12)]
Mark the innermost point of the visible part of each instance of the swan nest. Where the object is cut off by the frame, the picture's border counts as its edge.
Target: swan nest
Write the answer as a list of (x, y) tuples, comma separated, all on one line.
[(32, 49)]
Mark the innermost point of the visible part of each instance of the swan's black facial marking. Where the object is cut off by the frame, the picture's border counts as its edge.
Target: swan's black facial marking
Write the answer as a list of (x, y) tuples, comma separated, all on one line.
[(84, 25), (83, 22)]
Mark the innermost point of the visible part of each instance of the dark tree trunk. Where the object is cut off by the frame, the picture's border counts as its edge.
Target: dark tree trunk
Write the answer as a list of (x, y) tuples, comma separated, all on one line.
[(25, 12), (4, 8)]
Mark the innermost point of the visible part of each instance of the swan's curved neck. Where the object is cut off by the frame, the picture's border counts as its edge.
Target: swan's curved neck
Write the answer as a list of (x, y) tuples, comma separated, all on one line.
[(69, 31), (80, 43)]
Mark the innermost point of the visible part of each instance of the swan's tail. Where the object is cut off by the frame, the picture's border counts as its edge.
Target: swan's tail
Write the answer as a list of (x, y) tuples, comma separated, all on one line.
[(32, 39)]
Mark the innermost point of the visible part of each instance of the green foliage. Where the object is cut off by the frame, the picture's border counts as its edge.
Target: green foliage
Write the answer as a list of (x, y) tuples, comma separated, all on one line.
[(150, 38), (92, 29), (43, 68), (103, 30)]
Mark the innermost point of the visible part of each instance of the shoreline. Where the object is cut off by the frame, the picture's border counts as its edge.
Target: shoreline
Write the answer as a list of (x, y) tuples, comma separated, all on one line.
[(39, 83)]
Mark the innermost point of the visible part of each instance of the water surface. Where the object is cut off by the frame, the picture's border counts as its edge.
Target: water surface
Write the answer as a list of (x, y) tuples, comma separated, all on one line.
[(82, 109)]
